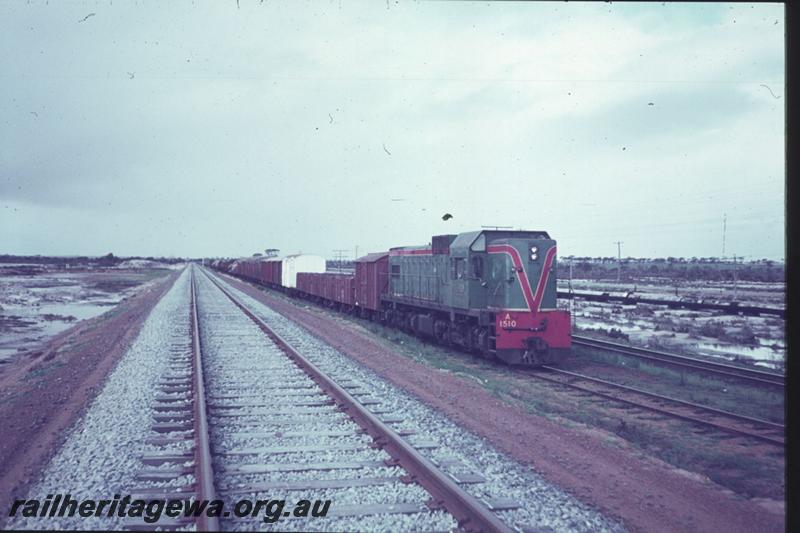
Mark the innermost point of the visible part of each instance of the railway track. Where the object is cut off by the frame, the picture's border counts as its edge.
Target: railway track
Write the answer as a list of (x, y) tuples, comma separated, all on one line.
[(264, 420), (730, 308), (179, 464), (699, 415), (752, 376)]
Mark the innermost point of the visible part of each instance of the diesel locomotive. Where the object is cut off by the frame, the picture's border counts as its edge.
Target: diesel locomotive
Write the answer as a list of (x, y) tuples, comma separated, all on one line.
[(492, 292)]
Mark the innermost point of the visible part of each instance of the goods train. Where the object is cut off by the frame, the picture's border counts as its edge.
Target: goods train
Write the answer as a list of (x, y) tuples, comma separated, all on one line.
[(492, 292)]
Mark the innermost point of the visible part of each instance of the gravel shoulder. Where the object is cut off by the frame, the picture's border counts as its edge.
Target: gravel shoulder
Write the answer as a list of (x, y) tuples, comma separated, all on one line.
[(48, 389), (643, 493)]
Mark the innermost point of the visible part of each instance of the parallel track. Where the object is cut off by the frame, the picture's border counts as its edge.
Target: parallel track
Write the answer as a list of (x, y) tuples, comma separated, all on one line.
[(471, 514), (757, 377), (732, 308), (724, 421)]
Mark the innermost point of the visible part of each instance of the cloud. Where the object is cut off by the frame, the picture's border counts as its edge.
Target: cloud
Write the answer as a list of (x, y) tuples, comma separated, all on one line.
[(512, 114)]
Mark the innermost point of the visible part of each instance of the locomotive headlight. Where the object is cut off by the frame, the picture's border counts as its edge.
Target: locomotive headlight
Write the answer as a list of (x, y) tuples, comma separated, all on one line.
[(534, 253)]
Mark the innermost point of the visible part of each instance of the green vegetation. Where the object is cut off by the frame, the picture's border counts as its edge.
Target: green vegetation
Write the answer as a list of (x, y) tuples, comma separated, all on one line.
[(706, 389)]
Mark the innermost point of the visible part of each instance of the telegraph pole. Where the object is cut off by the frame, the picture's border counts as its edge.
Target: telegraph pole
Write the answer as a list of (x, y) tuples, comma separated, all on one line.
[(724, 227), (339, 258), (735, 279), (619, 259), (570, 276), (571, 296)]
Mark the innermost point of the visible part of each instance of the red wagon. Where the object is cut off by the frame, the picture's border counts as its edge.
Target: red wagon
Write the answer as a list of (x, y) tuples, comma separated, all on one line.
[(371, 281)]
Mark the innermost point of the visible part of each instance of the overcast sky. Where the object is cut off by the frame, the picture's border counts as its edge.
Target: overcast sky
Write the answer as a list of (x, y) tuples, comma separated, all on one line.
[(203, 129)]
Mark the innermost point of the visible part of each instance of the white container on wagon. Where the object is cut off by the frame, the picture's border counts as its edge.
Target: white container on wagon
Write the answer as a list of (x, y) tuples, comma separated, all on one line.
[(292, 264)]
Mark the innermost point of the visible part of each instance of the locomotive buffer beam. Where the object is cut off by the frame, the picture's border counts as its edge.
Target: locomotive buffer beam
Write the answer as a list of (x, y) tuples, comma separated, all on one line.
[(542, 326)]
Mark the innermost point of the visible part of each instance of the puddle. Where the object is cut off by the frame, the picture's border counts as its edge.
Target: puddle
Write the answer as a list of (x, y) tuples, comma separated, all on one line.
[(757, 353), (36, 307), (685, 331), (7, 353)]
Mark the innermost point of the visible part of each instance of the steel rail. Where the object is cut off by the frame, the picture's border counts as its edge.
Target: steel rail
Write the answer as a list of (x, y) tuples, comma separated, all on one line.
[(687, 418), (204, 466), (721, 412), (471, 514), (759, 377)]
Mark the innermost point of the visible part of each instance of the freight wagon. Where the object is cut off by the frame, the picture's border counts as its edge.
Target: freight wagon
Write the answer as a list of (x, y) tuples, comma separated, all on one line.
[(277, 271)]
